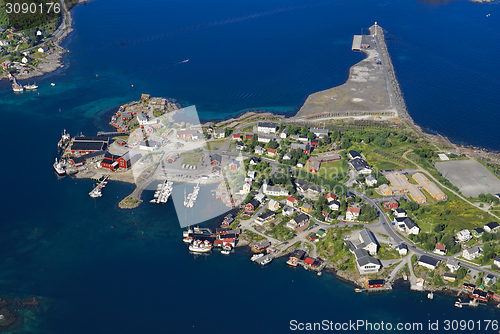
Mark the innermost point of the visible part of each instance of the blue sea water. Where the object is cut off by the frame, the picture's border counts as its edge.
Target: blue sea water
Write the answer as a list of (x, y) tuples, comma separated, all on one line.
[(99, 269)]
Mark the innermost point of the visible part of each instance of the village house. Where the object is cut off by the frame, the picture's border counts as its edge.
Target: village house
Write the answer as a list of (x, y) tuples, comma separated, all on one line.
[(284, 133), (477, 232), (428, 262), (314, 165), (453, 264), (496, 261), (273, 205), (219, 133), (292, 201), (463, 236), (298, 223), (304, 186), (399, 213), (252, 205), (265, 217), (449, 277), (186, 134), (407, 225), (307, 207), (471, 253), (491, 227), (365, 263), (326, 215), (402, 249), (370, 180), (440, 249), (352, 213), (264, 138), (391, 204), (236, 136), (319, 133), (295, 257), (375, 283), (43, 48), (260, 197), (287, 156), (259, 150), (367, 242), (267, 127), (262, 245), (287, 211), (271, 152), (334, 205), (273, 190), (215, 159), (254, 161), (360, 166), (330, 197), (354, 155), (489, 279)]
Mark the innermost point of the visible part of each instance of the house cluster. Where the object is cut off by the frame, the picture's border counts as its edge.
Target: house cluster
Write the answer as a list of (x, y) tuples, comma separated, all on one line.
[(368, 246), (358, 163), (316, 161), (479, 292), (404, 223), (141, 112), (399, 183), (86, 150)]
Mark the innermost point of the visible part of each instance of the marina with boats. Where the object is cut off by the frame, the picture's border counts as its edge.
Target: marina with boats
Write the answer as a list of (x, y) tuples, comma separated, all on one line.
[(163, 192), (191, 198), (96, 192)]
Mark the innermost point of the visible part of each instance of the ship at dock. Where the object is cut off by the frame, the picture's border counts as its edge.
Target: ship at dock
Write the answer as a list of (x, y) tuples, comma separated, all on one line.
[(59, 168), (163, 192), (96, 192), (199, 246), (63, 142), (190, 199), (30, 87), (16, 86)]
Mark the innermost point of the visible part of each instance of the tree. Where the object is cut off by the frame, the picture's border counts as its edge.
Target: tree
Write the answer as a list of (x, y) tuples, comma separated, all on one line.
[(439, 227), (272, 144), (461, 273), (367, 213)]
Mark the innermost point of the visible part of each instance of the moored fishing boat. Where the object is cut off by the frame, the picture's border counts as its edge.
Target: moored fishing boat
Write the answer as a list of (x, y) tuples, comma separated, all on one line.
[(199, 246), (59, 168), (256, 256)]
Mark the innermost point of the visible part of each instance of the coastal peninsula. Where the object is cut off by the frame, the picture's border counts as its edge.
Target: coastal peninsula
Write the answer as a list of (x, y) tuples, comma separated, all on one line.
[(349, 184)]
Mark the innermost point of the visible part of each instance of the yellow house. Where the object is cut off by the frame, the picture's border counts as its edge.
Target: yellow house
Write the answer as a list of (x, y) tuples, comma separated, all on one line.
[(306, 207)]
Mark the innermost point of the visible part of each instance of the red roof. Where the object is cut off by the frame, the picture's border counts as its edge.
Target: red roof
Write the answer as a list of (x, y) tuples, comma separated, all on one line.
[(440, 247), (324, 213), (309, 261), (353, 210), (292, 199), (330, 195), (236, 135), (272, 150)]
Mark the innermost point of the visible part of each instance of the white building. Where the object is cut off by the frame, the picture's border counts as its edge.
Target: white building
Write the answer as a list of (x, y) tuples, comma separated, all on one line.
[(267, 127), (399, 213), (496, 261), (287, 156), (334, 205), (352, 214), (402, 249), (365, 263), (428, 262), (219, 133), (471, 253), (370, 181), (320, 133), (453, 264), (284, 133), (287, 211), (273, 205), (264, 138), (491, 227), (407, 225), (463, 236), (144, 119), (368, 242), (260, 150), (273, 190)]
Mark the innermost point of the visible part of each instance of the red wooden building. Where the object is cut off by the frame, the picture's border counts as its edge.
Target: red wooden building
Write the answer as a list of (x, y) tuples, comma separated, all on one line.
[(375, 283), (391, 204)]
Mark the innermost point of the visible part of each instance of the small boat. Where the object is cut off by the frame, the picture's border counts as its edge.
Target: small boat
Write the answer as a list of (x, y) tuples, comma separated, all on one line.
[(30, 87), (405, 277), (52, 84), (225, 252), (358, 290), (17, 88), (319, 273), (186, 234), (430, 295), (256, 256), (292, 263), (458, 304), (266, 261)]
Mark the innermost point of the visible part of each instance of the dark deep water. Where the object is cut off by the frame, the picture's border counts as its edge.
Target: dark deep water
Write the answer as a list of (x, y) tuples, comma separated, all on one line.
[(91, 263)]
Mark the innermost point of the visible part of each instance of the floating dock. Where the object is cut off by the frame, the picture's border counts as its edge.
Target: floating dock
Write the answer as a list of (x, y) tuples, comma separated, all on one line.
[(356, 43)]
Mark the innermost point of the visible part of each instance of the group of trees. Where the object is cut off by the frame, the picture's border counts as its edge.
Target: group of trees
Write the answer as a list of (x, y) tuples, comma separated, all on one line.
[(367, 213), (488, 198)]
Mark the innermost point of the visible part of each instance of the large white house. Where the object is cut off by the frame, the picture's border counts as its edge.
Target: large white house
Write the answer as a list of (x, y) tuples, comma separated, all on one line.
[(370, 181), (365, 263), (273, 190), (267, 127), (464, 236), (352, 214), (453, 264), (491, 227), (471, 253), (407, 225), (368, 242), (219, 133), (428, 262)]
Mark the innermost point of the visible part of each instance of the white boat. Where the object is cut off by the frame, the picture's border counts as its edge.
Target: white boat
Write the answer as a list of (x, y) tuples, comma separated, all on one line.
[(266, 261), (17, 88), (59, 168), (256, 256), (188, 240), (458, 304), (186, 234), (225, 252), (52, 84), (319, 273), (199, 246), (30, 87), (430, 295), (292, 263)]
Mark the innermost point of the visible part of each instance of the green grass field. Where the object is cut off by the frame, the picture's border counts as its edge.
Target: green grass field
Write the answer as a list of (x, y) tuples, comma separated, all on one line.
[(214, 145), (192, 158)]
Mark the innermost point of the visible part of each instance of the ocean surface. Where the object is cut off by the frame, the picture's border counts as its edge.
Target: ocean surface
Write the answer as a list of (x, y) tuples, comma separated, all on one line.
[(99, 269)]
